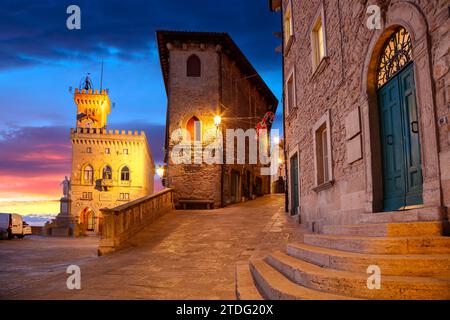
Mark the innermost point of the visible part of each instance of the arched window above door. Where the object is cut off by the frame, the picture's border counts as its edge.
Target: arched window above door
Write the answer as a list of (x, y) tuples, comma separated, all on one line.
[(194, 128), (396, 54), (194, 66)]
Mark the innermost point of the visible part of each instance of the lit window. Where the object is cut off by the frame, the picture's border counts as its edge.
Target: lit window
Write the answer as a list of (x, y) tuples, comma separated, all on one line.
[(318, 41), (322, 138), (125, 151), (125, 174), (107, 151), (194, 66), (288, 25), (107, 173), (88, 150), (397, 53), (194, 128), (88, 175)]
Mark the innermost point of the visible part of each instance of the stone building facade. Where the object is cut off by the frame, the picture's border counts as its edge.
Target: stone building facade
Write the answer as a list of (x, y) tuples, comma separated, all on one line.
[(367, 107), (109, 168), (207, 78)]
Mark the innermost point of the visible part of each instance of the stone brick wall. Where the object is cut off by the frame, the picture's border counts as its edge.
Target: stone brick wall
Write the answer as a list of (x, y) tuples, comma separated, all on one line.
[(139, 161), (339, 86), (223, 89)]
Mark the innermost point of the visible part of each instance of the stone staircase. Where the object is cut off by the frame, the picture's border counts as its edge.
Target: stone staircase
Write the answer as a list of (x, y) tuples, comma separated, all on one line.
[(409, 248)]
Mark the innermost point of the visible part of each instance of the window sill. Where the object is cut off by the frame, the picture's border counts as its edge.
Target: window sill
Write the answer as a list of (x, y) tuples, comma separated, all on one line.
[(322, 65), (288, 46), (324, 186)]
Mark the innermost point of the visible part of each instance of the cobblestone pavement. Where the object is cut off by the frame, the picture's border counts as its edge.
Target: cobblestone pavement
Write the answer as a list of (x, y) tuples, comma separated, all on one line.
[(184, 255)]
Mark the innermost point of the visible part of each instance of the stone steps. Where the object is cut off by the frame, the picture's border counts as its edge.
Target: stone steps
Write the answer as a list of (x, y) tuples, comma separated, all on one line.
[(275, 286), (245, 288), (409, 229), (344, 284), (415, 215), (391, 265), (381, 245)]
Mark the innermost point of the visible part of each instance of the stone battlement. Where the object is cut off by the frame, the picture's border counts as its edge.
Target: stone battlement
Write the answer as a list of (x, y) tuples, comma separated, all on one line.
[(90, 91), (105, 132)]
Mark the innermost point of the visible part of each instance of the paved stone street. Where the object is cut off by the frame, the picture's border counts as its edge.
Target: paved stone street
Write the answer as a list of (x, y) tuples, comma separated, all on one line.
[(184, 255)]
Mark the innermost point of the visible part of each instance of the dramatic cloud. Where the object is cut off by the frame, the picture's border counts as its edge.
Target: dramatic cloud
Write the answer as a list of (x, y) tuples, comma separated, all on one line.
[(35, 32)]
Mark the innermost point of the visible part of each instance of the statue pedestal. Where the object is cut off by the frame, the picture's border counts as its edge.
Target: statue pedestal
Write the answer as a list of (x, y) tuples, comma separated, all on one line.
[(65, 222)]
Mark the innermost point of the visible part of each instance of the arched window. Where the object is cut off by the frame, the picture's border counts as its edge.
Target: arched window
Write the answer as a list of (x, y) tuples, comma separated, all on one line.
[(88, 174), (125, 174), (194, 127), (107, 173), (194, 66), (396, 54)]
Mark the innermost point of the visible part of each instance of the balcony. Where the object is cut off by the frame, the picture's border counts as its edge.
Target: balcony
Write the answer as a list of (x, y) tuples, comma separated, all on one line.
[(107, 183)]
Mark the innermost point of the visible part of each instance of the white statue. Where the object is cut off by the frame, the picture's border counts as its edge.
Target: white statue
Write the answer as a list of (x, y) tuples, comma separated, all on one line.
[(66, 187)]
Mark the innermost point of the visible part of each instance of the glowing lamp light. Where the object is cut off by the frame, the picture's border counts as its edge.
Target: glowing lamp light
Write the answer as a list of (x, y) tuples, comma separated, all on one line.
[(217, 121), (280, 161), (160, 171)]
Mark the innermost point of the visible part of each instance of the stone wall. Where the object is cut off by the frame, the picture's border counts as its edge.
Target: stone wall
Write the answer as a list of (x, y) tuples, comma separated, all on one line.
[(121, 224), (340, 86)]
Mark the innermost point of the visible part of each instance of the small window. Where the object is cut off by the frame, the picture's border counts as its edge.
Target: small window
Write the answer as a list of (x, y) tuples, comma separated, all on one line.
[(87, 196), (107, 173), (194, 66), (125, 174), (288, 25), (194, 128), (318, 41), (88, 150), (107, 151), (125, 151), (88, 174), (290, 93), (124, 196), (322, 139)]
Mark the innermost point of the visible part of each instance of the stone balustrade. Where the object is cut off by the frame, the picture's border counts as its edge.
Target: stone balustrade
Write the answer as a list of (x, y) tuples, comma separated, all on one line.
[(120, 224)]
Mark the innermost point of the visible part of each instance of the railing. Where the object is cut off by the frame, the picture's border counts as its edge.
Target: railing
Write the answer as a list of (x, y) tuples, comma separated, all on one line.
[(120, 224)]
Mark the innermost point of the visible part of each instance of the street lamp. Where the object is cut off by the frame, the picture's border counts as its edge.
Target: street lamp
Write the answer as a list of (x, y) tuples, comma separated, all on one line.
[(160, 172), (217, 121)]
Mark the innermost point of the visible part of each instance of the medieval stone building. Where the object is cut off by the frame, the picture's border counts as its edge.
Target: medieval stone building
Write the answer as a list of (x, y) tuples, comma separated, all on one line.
[(366, 109), (367, 101), (211, 87), (109, 168)]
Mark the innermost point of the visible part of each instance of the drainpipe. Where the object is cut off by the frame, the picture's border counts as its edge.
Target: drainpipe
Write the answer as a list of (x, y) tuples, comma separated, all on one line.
[(222, 166)]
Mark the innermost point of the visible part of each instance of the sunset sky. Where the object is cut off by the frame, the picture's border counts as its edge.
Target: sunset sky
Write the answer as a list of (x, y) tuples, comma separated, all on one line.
[(40, 59)]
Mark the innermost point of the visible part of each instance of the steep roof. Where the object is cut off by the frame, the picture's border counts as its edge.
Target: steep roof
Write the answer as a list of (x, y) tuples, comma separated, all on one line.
[(229, 47)]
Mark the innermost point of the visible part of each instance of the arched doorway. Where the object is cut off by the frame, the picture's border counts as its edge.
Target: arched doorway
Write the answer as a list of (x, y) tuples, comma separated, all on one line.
[(87, 218), (399, 124)]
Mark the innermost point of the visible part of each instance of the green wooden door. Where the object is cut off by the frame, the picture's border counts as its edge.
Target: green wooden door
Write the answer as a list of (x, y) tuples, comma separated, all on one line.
[(294, 183), (402, 170)]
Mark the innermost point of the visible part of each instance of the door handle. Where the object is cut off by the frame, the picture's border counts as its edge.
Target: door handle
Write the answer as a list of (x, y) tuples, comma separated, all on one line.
[(415, 127), (390, 139)]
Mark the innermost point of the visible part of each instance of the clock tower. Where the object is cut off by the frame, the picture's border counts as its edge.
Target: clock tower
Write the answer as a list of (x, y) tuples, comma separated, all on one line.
[(93, 106)]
